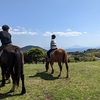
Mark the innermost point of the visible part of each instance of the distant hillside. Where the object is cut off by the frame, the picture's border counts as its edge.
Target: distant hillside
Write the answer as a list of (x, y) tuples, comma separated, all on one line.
[(71, 49), (27, 48), (76, 49)]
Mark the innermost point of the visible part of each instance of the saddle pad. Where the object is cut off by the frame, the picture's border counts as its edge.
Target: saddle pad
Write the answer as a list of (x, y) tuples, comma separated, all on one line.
[(51, 53)]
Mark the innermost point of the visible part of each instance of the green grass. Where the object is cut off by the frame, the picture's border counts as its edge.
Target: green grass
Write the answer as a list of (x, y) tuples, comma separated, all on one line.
[(83, 83)]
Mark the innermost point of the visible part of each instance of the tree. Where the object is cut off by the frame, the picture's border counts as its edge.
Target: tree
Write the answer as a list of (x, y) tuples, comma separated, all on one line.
[(35, 55), (27, 58)]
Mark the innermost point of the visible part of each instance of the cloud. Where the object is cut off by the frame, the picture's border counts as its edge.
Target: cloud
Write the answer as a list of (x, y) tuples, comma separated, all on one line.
[(66, 33), (85, 32), (21, 31), (68, 29)]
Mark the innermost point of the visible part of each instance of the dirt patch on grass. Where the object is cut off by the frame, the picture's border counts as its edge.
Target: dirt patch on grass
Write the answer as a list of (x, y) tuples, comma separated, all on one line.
[(48, 96)]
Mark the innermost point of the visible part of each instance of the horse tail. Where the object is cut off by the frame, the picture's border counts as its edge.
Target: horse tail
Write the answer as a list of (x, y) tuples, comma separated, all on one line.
[(65, 60), (17, 65), (19, 68)]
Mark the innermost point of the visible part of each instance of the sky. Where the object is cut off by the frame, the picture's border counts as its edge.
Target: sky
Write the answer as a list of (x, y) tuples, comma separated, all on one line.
[(32, 22)]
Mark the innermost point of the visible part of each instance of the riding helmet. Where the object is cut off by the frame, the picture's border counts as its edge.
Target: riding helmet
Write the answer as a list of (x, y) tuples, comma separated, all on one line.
[(5, 27), (53, 36)]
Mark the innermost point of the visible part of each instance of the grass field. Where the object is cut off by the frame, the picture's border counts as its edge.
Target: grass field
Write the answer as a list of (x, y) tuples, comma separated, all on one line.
[(83, 83)]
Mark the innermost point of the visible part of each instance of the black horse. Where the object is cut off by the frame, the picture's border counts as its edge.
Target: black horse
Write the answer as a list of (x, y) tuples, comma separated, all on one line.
[(12, 61)]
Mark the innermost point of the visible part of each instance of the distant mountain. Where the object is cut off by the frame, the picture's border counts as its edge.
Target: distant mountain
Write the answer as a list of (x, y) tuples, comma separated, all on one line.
[(80, 49), (27, 48), (71, 49), (98, 47), (76, 48)]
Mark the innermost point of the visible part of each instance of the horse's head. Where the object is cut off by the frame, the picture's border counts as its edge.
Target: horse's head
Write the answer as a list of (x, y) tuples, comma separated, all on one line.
[(47, 64)]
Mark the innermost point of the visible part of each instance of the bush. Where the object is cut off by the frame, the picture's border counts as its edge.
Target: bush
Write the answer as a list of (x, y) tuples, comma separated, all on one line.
[(70, 59)]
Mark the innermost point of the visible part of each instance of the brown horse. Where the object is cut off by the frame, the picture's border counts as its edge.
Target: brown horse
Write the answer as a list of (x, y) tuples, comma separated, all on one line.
[(60, 56), (12, 61)]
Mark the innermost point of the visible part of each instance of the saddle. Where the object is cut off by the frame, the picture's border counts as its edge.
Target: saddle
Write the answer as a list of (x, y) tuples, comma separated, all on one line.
[(51, 53), (49, 59)]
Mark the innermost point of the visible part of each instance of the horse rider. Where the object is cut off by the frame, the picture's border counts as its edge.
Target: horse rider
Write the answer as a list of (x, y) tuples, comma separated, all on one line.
[(5, 36), (53, 46)]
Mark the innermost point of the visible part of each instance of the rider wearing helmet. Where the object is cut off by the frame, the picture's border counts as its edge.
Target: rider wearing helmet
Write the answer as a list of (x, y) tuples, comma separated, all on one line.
[(53, 45), (5, 36)]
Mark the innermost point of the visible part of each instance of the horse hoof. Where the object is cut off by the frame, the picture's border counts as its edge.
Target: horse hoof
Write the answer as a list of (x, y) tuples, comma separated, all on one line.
[(23, 91), (46, 71), (59, 75), (52, 72), (66, 76)]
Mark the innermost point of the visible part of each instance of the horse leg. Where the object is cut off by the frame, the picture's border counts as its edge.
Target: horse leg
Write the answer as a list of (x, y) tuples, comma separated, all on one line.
[(3, 75), (9, 79), (66, 63), (47, 66), (60, 66), (8, 76), (52, 63), (23, 85), (14, 86)]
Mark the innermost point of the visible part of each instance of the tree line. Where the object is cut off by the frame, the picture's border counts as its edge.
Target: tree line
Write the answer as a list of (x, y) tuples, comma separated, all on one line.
[(88, 55), (38, 55)]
